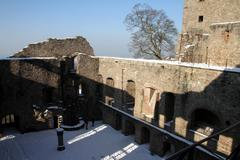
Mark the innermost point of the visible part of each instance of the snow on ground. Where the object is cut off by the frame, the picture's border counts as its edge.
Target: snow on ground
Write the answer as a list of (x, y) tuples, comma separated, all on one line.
[(97, 143)]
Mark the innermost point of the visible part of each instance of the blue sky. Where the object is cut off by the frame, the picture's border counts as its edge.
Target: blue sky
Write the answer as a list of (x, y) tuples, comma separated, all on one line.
[(100, 21)]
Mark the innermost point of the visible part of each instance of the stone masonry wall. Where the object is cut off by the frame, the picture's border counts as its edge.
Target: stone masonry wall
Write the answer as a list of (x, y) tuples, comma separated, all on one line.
[(195, 91), (212, 11), (215, 39), (28, 82)]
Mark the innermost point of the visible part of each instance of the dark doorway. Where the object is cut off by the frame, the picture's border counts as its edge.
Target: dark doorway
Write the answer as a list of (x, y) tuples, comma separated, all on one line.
[(169, 107), (205, 121), (130, 95), (109, 91)]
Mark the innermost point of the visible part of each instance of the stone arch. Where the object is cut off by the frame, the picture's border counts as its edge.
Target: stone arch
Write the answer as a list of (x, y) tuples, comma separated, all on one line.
[(130, 94), (204, 121), (109, 91)]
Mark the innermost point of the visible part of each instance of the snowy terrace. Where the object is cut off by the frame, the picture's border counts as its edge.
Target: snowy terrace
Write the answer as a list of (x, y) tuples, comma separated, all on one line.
[(98, 143)]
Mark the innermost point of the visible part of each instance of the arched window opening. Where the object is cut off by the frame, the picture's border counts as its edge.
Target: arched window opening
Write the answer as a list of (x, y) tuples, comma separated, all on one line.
[(204, 121), (109, 99), (75, 63), (80, 93), (169, 107), (130, 95)]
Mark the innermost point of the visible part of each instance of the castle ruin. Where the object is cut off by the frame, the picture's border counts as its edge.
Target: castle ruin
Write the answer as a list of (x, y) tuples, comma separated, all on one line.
[(168, 104)]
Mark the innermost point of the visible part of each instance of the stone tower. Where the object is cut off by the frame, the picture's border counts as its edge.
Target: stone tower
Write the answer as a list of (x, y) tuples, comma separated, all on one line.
[(211, 32)]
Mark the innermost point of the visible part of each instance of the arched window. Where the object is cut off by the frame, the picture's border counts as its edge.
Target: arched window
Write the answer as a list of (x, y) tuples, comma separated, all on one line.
[(109, 91), (80, 92), (130, 94), (75, 63)]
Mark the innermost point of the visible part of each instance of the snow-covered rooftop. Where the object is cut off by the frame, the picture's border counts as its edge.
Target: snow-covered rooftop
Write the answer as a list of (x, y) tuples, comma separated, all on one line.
[(98, 143)]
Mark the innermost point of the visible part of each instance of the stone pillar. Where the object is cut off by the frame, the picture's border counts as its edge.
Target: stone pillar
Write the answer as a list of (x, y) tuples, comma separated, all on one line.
[(140, 135), (127, 127), (156, 143), (61, 146)]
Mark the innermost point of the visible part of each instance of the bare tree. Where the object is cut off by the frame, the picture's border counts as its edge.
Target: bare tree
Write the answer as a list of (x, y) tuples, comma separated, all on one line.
[(153, 33)]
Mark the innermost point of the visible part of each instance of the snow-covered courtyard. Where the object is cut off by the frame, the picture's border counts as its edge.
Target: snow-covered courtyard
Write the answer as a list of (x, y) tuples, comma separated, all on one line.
[(97, 143)]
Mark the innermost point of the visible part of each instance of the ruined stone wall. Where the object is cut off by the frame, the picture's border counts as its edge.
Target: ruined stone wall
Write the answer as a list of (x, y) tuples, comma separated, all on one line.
[(194, 89), (28, 82), (57, 48)]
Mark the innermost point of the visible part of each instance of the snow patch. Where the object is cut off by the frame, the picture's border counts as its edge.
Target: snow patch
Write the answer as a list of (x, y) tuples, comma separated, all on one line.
[(225, 23), (28, 58), (188, 46), (72, 127), (43, 145)]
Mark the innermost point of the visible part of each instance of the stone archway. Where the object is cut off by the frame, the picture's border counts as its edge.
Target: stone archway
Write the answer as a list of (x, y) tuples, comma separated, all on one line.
[(204, 121)]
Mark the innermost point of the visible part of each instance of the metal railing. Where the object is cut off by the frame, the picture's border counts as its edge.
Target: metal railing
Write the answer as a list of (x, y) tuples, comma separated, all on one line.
[(180, 155), (188, 150)]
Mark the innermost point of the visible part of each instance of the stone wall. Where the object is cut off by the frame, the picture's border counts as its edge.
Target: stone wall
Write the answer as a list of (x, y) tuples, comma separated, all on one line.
[(25, 83), (163, 87), (57, 48), (212, 11), (214, 40)]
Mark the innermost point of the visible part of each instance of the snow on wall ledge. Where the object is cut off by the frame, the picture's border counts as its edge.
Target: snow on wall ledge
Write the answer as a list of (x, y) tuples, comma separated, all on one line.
[(28, 58), (176, 63)]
